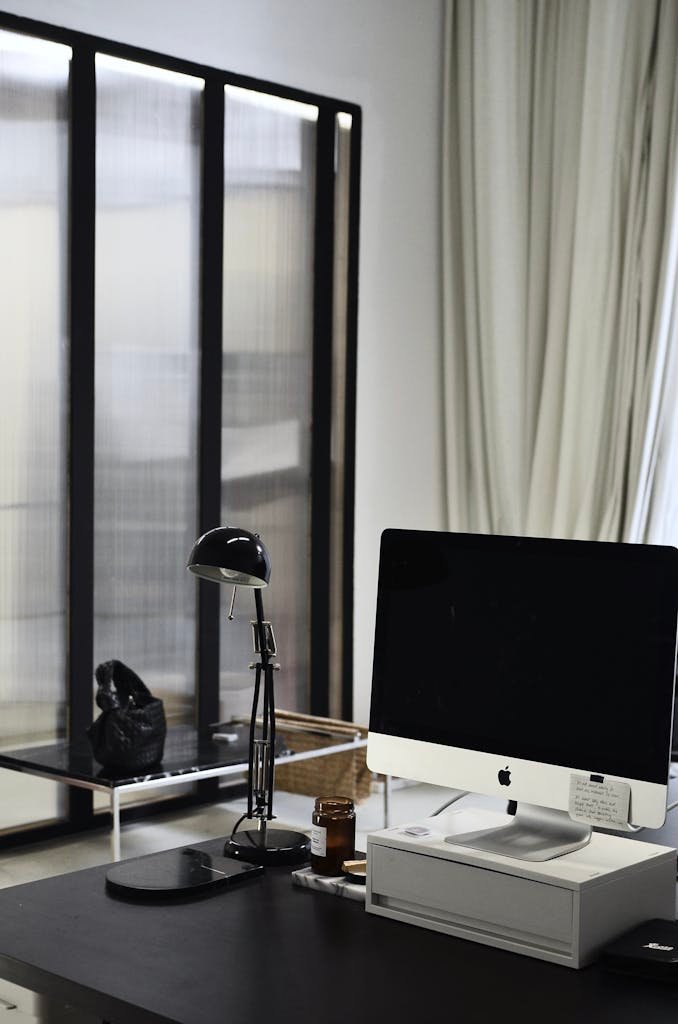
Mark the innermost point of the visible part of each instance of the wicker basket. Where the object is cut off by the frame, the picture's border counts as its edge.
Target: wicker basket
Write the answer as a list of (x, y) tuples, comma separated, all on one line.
[(344, 774)]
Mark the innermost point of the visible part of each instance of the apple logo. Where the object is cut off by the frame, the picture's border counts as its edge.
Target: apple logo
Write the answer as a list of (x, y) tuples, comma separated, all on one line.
[(504, 776)]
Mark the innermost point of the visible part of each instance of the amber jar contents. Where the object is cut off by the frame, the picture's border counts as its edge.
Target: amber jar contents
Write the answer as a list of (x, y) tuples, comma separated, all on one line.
[(333, 834)]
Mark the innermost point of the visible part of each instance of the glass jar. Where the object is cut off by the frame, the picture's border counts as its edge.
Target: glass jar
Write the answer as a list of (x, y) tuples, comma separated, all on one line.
[(332, 835)]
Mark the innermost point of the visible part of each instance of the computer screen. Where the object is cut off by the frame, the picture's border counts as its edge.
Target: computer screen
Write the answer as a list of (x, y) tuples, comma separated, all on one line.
[(543, 657)]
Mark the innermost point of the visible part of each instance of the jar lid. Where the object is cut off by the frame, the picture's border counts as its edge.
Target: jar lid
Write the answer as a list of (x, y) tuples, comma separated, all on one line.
[(333, 804)]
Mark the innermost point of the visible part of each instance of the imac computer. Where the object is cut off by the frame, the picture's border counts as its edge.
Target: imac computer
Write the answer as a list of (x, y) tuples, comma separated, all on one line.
[(511, 666)]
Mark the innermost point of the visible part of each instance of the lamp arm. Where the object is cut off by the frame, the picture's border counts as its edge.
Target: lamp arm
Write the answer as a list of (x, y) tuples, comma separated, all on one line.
[(261, 629), (268, 711), (253, 726)]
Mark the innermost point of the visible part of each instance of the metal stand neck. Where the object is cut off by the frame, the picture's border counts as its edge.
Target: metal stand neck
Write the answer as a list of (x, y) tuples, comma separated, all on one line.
[(535, 834)]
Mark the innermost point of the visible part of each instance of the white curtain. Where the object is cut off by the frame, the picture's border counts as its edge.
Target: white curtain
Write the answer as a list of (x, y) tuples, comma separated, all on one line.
[(560, 243)]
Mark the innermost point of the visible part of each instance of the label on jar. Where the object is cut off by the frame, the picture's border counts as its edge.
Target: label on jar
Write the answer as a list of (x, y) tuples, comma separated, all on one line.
[(319, 841)]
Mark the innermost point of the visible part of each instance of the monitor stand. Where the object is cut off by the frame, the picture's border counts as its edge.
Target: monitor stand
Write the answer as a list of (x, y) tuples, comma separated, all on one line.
[(535, 833), (563, 910)]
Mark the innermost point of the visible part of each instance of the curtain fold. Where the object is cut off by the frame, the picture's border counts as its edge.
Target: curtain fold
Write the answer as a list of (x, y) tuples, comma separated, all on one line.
[(559, 265)]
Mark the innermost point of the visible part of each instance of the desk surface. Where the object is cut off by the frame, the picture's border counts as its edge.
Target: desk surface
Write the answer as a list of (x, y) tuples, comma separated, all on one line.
[(270, 948)]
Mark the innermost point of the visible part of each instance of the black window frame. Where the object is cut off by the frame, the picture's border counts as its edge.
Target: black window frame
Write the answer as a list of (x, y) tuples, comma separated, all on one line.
[(80, 495)]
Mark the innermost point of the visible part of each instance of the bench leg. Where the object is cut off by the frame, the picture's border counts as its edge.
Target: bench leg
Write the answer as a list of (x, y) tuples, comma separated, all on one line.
[(115, 814)]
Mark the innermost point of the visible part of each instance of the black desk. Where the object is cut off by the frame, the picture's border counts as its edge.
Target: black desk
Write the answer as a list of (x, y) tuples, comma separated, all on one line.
[(268, 950)]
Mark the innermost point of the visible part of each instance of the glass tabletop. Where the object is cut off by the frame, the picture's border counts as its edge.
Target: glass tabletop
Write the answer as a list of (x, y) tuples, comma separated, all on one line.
[(186, 751)]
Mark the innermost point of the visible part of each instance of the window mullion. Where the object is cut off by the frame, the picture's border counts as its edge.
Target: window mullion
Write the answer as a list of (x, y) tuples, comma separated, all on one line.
[(211, 298), (80, 547), (323, 280)]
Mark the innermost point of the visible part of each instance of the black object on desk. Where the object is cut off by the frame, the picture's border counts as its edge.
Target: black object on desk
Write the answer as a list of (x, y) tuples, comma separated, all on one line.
[(648, 951), (185, 872)]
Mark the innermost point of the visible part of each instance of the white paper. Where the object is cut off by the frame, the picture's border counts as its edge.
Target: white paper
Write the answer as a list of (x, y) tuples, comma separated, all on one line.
[(319, 841), (605, 803)]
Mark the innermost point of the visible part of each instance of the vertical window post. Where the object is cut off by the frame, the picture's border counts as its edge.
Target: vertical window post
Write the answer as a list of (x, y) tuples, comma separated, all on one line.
[(323, 279), (209, 481), (349, 414), (81, 419)]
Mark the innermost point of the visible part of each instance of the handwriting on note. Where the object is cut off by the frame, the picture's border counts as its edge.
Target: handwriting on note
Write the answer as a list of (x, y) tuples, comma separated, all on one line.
[(603, 802)]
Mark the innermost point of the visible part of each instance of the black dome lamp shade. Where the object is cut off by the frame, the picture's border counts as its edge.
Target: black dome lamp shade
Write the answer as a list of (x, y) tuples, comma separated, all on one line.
[(232, 555)]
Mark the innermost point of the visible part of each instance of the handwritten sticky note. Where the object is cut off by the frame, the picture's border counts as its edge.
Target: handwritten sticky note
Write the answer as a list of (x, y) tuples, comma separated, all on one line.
[(597, 801)]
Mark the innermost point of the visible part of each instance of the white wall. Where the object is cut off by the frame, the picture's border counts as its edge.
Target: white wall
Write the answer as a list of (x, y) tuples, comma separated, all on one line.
[(385, 55)]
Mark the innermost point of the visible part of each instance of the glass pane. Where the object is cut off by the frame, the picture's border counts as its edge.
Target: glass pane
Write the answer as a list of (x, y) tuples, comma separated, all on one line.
[(147, 268), (267, 339), (33, 268)]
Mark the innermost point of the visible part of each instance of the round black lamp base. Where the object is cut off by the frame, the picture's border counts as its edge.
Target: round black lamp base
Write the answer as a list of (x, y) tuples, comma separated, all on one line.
[(186, 872), (274, 846)]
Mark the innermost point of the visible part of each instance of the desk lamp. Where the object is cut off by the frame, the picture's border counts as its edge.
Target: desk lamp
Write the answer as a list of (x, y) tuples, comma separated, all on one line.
[(236, 556)]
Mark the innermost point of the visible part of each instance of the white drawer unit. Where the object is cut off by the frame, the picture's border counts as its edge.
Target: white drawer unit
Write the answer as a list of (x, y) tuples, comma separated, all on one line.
[(564, 910)]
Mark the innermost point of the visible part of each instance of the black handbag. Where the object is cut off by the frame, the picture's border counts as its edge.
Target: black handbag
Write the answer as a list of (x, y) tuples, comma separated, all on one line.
[(129, 734)]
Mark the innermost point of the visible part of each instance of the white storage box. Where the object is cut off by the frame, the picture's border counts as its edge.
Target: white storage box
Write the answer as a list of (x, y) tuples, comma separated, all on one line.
[(563, 910)]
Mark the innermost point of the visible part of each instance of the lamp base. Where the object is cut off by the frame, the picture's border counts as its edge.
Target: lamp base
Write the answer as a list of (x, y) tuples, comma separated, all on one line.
[(186, 872), (274, 846)]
